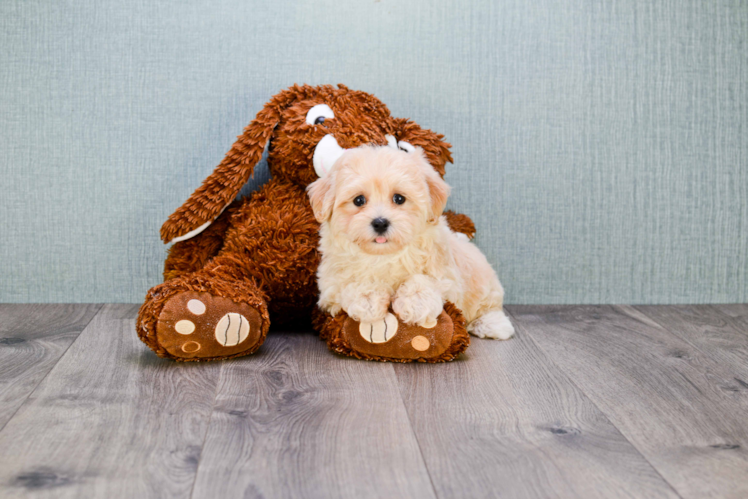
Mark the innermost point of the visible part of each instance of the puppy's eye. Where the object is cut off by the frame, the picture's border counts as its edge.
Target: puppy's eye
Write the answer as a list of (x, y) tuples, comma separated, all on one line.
[(318, 114), (398, 199), (359, 200)]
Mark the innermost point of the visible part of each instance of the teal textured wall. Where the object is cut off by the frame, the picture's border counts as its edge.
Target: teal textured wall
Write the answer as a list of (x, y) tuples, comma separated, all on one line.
[(601, 146)]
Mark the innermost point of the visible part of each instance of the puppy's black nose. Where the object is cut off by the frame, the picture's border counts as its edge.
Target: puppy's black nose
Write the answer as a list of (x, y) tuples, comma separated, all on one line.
[(380, 225)]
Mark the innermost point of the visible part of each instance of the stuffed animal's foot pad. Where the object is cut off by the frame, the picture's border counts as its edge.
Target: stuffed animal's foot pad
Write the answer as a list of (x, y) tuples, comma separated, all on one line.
[(232, 329), (200, 325), (391, 339), (380, 331)]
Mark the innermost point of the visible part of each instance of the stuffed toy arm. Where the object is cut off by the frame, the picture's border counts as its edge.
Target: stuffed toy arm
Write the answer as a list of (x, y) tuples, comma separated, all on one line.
[(460, 223)]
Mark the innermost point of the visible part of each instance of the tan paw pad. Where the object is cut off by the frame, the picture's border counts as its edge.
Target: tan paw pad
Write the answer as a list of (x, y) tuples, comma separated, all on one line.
[(428, 324), (420, 343), (196, 307), (380, 331), (184, 326), (190, 347), (232, 329)]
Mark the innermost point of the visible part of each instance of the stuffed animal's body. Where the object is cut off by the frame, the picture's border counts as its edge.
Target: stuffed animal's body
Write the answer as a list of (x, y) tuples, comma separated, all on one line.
[(236, 264)]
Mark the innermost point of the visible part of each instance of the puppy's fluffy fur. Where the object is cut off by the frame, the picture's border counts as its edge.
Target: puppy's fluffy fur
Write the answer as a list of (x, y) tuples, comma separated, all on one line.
[(417, 263)]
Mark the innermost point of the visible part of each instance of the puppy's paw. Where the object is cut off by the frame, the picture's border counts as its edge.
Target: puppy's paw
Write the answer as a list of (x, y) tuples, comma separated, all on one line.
[(366, 306), (418, 303), (492, 325)]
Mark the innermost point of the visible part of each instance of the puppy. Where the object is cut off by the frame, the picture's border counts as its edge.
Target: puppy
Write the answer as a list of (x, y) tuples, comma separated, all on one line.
[(385, 243)]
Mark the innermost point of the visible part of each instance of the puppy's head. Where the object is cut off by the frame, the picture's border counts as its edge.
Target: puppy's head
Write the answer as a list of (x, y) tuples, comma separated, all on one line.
[(379, 198)]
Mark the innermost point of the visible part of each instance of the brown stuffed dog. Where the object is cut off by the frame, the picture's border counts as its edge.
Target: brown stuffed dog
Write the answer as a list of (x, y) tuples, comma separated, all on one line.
[(236, 264)]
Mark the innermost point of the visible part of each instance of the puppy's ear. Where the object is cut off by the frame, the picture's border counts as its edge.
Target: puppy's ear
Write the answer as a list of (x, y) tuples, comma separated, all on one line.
[(438, 190), (322, 196), (222, 186)]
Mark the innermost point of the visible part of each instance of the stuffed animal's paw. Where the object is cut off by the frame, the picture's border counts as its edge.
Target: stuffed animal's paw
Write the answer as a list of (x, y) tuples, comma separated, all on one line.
[(200, 325), (392, 340)]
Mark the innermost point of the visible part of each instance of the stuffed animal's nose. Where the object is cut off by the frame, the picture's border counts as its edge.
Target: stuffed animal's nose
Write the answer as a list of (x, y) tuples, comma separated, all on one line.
[(380, 225)]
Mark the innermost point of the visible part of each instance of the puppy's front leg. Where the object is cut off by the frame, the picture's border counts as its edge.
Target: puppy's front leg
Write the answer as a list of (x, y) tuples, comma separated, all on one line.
[(418, 301), (365, 303)]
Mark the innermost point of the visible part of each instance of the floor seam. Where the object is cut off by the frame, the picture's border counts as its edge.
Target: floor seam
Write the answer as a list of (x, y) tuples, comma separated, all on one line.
[(526, 332), (207, 428), (412, 430), (31, 393)]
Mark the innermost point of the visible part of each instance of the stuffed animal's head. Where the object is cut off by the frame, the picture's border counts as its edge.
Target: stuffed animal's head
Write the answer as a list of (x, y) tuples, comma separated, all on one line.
[(306, 130), (322, 122)]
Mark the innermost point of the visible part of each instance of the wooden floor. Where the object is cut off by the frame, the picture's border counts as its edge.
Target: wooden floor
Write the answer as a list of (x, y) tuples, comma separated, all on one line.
[(586, 401)]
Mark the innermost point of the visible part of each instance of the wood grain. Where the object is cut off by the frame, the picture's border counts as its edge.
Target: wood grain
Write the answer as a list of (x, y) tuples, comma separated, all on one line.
[(504, 421), (110, 420), (735, 314), (668, 399), (715, 333), (33, 337), (298, 421)]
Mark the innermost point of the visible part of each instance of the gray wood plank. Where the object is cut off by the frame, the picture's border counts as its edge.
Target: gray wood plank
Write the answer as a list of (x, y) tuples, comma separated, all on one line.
[(504, 421), (298, 421), (110, 420), (665, 395), (33, 337), (736, 315), (710, 330)]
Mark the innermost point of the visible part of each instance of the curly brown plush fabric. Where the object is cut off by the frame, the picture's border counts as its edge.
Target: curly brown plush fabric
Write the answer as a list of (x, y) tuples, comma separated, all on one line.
[(193, 254), (460, 223), (261, 251)]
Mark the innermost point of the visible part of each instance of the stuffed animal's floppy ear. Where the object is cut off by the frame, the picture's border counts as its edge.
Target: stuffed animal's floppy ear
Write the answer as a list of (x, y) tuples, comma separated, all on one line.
[(222, 186), (322, 196)]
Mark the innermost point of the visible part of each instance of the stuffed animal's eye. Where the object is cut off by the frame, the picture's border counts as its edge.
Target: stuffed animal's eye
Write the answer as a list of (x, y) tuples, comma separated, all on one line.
[(359, 200), (406, 146), (318, 114), (398, 199)]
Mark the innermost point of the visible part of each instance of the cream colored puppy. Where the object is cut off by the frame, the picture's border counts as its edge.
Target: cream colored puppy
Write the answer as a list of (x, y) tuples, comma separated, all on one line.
[(384, 242)]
